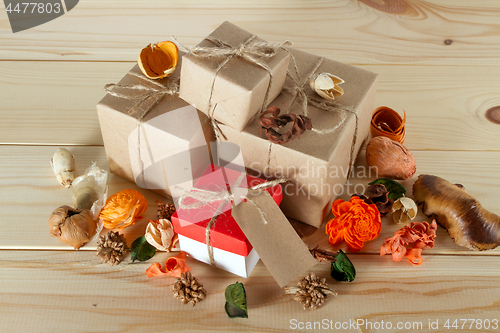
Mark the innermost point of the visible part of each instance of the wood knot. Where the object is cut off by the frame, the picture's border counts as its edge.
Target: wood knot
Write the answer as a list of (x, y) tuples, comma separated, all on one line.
[(388, 6), (448, 41), (493, 115)]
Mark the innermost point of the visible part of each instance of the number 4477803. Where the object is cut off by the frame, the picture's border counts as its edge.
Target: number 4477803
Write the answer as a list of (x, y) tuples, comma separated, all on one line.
[(34, 7), (469, 324)]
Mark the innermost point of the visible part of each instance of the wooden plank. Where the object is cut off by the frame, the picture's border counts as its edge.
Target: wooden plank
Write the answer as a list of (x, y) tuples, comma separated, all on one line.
[(54, 102), (362, 32), (30, 193), (54, 291)]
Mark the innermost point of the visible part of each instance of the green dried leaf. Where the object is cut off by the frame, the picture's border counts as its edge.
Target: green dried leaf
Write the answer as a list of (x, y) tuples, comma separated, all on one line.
[(236, 301), (395, 189), (342, 268), (142, 250)]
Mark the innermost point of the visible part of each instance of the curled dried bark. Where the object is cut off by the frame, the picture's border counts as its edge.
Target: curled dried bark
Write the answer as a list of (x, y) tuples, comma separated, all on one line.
[(468, 223), (300, 124)]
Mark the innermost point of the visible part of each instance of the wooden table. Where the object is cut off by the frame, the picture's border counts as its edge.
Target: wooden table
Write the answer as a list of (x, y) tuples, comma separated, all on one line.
[(438, 60)]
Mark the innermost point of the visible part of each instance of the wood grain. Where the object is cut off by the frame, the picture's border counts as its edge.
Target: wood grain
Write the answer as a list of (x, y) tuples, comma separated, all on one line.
[(362, 32), (54, 291), (58, 102), (28, 181)]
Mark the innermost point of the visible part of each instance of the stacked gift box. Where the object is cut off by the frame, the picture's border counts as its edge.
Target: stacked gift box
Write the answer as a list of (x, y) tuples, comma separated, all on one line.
[(164, 141)]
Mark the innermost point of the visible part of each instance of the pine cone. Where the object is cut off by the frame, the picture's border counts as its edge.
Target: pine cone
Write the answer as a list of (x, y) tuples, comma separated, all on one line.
[(312, 291), (187, 289), (164, 211), (111, 248)]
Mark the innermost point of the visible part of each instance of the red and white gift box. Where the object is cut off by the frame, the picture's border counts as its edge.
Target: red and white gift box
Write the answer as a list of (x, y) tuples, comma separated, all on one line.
[(231, 249)]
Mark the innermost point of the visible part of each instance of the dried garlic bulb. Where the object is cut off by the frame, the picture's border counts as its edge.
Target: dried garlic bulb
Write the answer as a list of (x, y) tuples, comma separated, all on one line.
[(74, 227), (63, 164), (326, 85), (161, 235), (157, 61), (123, 209), (403, 209)]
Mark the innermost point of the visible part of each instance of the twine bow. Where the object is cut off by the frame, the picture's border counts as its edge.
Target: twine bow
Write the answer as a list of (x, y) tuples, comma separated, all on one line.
[(253, 51), (141, 93), (300, 96), (204, 197)]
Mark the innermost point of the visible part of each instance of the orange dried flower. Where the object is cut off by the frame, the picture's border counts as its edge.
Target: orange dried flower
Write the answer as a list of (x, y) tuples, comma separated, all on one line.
[(123, 209), (157, 61), (355, 222), (420, 234), (174, 266)]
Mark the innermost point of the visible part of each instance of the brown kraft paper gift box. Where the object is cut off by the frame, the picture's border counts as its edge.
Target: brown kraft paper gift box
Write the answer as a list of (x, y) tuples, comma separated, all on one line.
[(168, 127), (316, 165), (240, 86)]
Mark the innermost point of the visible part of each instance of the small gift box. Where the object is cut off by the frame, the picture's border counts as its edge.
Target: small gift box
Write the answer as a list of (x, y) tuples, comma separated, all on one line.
[(232, 75), (318, 163), (232, 250), (143, 122)]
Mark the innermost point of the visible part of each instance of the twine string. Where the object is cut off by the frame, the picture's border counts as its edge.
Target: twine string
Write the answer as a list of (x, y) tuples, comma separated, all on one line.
[(300, 96), (203, 197), (141, 93), (251, 50)]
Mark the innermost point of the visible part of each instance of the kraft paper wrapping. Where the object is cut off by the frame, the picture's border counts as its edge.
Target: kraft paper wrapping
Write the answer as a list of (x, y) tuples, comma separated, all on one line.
[(316, 164), (136, 150), (240, 86)]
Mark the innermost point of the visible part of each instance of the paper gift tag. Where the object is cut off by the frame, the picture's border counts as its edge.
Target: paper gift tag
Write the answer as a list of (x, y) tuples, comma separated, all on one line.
[(278, 245)]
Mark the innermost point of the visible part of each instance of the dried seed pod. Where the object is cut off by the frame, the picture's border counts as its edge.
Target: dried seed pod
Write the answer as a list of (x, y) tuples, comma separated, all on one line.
[(403, 209), (326, 85), (157, 61), (467, 222), (391, 158), (161, 235), (74, 227), (63, 164)]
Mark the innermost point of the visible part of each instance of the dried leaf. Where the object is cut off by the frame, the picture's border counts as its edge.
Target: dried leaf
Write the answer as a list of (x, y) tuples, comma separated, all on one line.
[(236, 301), (323, 255), (342, 268), (396, 190), (300, 124), (142, 250)]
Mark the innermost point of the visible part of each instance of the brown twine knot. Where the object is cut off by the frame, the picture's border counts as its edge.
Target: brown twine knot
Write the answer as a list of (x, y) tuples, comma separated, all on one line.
[(142, 93), (204, 197), (254, 51)]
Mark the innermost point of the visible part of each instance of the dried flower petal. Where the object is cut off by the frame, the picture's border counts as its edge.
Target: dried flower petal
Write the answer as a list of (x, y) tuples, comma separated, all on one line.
[(355, 222), (326, 85), (174, 266), (123, 209), (420, 234), (300, 124), (157, 61), (161, 235), (403, 209)]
